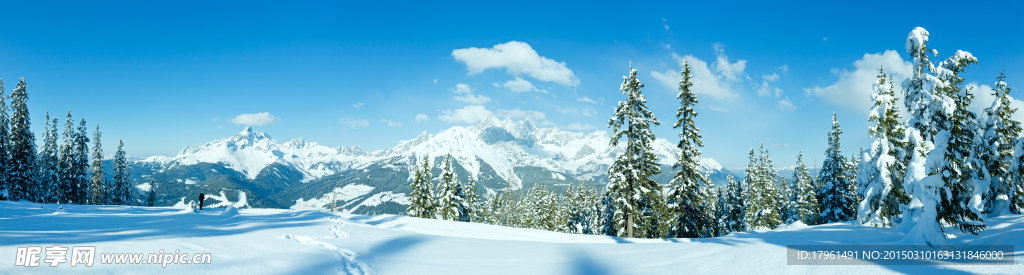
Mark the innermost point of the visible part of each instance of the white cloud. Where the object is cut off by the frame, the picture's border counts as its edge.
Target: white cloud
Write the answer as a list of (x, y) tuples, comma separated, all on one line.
[(517, 58), (258, 119), (435, 81), (784, 68), (474, 99), (718, 109), (469, 114), (467, 95), (733, 71), (546, 123), (589, 112), (520, 113), (766, 89), (355, 122), (585, 99), (391, 123), (580, 127), (705, 82), (983, 98), (522, 85), (782, 145), (853, 89), (462, 88), (220, 126), (357, 105), (825, 39), (666, 46), (666, 27), (422, 118), (787, 105)]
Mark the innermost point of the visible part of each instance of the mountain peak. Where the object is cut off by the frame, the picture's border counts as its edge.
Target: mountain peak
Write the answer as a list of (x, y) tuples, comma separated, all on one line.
[(246, 131), (249, 134)]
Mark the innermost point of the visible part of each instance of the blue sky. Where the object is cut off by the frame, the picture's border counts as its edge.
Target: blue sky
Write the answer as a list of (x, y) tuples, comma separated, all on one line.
[(165, 76)]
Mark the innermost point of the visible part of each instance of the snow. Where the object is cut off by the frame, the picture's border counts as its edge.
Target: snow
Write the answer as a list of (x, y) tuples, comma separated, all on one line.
[(222, 200), (143, 187), (190, 181), (280, 241), (342, 194)]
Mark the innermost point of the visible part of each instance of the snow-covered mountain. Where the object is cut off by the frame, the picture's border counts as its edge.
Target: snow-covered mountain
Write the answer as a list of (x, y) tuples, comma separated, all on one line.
[(493, 149)]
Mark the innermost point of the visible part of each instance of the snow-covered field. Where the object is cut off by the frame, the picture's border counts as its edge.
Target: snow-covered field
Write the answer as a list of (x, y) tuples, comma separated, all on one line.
[(281, 241)]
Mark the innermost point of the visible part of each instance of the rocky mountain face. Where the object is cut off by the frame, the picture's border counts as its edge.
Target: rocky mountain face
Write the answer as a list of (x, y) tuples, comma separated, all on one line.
[(254, 170)]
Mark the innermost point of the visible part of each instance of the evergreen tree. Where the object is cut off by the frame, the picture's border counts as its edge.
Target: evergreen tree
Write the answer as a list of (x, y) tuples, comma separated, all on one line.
[(722, 209), (1016, 188), (22, 173), (472, 201), (834, 197), (122, 178), (803, 201), (582, 209), (65, 165), (633, 192), (421, 200), (98, 186), (81, 164), (761, 193), (737, 209), (687, 200), (920, 93), (151, 194), (880, 180), (5, 146), (963, 172), (783, 200), (48, 162), (999, 135), (449, 201)]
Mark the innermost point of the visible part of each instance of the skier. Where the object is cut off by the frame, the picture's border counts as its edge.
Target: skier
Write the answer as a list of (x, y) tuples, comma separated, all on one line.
[(201, 198)]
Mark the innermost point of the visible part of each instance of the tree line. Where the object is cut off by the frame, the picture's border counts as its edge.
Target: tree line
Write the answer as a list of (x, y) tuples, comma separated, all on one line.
[(55, 173), (943, 168)]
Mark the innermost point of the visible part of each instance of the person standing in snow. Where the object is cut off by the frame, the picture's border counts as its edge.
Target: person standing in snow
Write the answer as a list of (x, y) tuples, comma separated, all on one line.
[(201, 198)]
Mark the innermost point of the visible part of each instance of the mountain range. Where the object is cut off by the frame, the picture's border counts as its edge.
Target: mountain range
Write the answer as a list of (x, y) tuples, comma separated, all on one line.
[(251, 169)]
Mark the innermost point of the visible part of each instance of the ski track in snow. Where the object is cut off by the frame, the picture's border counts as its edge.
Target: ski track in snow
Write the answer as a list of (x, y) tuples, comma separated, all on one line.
[(350, 259)]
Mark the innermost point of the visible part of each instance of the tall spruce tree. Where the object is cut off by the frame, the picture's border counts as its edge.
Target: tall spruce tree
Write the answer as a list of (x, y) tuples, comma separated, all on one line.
[(1016, 188), (803, 201), (448, 201), (762, 205), (630, 186), (1000, 132), (48, 162), (122, 178), (151, 193), (880, 180), (834, 197), (65, 165), (963, 173), (736, 220), (98, 183), (81, 164), (421, 199), (22, 177), (687, 200), (5, 145), (472, 201)]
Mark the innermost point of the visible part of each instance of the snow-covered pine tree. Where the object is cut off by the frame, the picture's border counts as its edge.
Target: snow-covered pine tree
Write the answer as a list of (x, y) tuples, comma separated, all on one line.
[(880, 180), (472, 201), (421, 199), (761, 192), (582, 209), (22, 177), (81, 163), (921, 89), (851, 170), (98, 183), (629, 179), (65, 165), (783, 200), (736, 219), (151, 193), (1016, 188), (963, 173), (722, 209), (5, 145), (48, 162), (1000, 132), (803, 200), (122, 178), (687, 200), (448, 200), (834, 198)]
